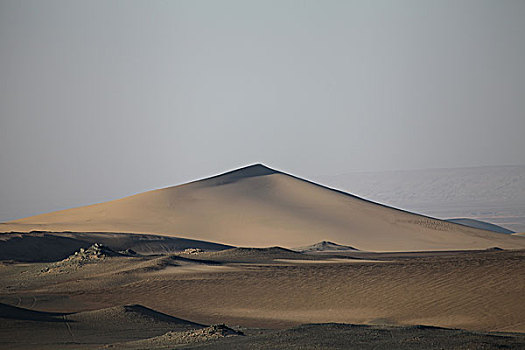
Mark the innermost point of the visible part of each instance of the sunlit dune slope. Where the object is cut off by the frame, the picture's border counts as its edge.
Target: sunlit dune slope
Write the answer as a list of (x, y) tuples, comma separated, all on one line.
[(257, 206)]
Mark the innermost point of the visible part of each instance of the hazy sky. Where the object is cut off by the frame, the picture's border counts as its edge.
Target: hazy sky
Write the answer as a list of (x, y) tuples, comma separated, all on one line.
[(101, 99)]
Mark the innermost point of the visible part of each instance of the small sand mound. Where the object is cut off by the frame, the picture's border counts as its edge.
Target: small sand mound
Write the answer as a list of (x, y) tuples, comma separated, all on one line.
[(326, 246), (494, 249), (129, 252), (187, 337), (192, 251), (203, 334), (94, 253)]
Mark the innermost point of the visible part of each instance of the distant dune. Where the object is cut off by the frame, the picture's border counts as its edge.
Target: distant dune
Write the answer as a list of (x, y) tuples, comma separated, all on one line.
[(257, 206), (480, 224), (494, 194)]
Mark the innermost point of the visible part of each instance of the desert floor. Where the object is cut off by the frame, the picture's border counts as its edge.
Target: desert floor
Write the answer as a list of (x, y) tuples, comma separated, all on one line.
[(269, 294)]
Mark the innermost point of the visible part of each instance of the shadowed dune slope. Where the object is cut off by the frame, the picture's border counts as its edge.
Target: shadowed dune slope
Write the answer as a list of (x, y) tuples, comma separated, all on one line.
[(54, 246), (480, 224), (136, 314), (257, 206), (28, 329), (137, 327), (18, 313)]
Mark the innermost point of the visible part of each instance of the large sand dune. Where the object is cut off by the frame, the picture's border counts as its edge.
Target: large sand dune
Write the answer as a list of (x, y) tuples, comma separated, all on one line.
[(257, 206)]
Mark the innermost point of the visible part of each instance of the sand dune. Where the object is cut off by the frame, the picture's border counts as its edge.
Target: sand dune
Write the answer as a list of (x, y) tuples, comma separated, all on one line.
[(129, 315), (480, 224), (174, 338), (325, 246), (494, 194), (17, 313), (138, 327), (257, 206), (28, 329), (54, 246)]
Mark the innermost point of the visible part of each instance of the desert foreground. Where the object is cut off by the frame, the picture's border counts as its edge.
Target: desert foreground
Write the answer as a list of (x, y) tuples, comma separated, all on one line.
[(269, 298)]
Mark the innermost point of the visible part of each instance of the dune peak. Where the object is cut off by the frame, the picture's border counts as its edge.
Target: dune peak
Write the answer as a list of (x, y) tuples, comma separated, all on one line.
[(254, 170), (257, 169)]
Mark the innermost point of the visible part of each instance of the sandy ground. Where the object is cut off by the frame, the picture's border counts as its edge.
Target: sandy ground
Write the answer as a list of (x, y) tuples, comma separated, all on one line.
[(275, 208), (160, 278), (268, 289)]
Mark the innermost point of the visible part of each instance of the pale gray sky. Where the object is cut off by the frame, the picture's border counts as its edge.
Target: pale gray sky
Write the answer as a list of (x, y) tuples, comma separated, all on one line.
[(102, 99)]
